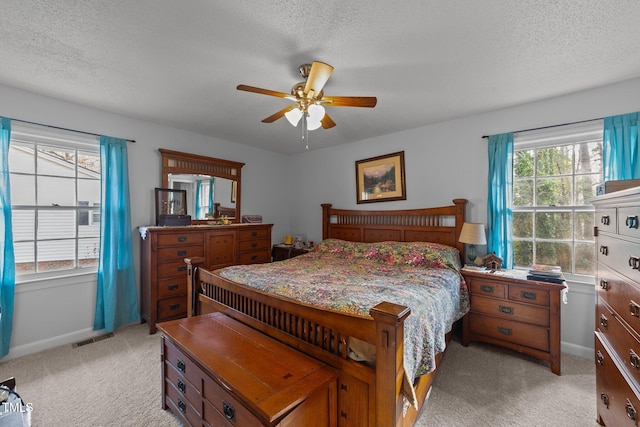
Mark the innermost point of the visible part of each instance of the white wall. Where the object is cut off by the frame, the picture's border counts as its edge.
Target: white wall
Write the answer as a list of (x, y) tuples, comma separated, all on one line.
[(57, 312), (448, 160)]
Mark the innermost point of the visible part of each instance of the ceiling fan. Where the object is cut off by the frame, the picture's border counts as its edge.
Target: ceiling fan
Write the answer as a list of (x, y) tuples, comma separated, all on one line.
[(309, 100)]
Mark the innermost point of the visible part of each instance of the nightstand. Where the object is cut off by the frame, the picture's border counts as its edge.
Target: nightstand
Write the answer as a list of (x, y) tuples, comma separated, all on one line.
[(510, 311), (281, 252)]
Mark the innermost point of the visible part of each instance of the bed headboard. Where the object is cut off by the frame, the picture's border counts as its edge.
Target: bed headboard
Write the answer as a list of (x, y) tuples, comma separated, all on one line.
[(438, 224)]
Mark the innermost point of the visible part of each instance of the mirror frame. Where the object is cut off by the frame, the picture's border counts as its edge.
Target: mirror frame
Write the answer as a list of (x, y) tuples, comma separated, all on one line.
[(176, 162)]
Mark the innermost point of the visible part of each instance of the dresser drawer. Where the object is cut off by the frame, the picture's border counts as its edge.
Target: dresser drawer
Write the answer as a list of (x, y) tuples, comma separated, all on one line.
[(256, 233), (607, 220), (507, 330), (254, 245), (510, 310), (173, 287), (179, 253), (183, 365), (629, 221), (175, 239), (620, 294), (529, 294), (172, 308), (226, 406), (488, 288), (254, 257), (172, 269), (181, 406), (617, 403), (185, 390), (619, 255)]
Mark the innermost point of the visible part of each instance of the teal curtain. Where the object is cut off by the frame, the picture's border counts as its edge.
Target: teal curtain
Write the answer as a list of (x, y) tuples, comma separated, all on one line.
[(7, 255), (499, 203), (620, 147), (211, 195), (117, 299), (198, 208)]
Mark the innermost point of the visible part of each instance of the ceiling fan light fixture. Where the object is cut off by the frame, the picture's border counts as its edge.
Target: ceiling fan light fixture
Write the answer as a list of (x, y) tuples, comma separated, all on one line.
[(293, 116), (316, 112)]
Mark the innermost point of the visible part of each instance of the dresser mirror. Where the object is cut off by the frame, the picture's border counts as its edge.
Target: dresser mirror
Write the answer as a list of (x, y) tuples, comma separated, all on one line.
[(212, 185)]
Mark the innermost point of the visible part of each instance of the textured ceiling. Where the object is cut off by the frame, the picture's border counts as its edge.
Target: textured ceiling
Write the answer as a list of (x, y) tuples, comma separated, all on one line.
[(178, 62)]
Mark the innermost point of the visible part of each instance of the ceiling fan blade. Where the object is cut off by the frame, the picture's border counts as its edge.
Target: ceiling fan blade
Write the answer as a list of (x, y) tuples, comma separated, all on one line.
[(327, 122), (272, 118), (349, 101), (317, 78), (263, 91)]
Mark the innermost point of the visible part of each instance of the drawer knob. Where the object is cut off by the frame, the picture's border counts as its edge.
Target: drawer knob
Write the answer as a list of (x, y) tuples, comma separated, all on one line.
[(182, 268), (228, 410), (182, 239), (182, 253), (605, 399), (182, 406), (634, 308), (632, 221), (173, 287), (181, 366), (604, 322), (529, 295), (634, 262), (487, 289), (182, 386), (604, 250), (605, 220), (634, 360), (631, 411), (506, 310), (504, 331), (174, 306), (600, 358), (604, 284)]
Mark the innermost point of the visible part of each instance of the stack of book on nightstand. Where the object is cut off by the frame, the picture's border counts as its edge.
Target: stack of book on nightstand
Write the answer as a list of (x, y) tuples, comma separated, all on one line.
[(546, 273)]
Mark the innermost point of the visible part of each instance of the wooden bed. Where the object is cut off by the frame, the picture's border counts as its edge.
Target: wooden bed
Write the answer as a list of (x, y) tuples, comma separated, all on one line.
[(367, 396)]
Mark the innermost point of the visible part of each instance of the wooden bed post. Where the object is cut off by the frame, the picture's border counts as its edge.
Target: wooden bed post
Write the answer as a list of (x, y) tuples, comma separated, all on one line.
[(460, 214), (192, 265), (389, 320), (325, 220)]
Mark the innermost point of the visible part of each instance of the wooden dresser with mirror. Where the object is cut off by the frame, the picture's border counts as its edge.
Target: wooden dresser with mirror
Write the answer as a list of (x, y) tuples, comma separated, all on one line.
[(163, 293)]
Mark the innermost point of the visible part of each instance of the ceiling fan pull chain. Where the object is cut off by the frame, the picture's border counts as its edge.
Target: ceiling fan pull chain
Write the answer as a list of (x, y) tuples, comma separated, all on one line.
[(305, 131)]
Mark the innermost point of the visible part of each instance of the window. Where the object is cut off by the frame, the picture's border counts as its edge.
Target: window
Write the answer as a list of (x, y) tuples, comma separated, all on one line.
[(556, 172), (55, 196)]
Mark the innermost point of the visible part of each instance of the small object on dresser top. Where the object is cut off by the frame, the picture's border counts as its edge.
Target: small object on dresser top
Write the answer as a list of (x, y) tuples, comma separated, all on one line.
[(546, 273), (471, 267)]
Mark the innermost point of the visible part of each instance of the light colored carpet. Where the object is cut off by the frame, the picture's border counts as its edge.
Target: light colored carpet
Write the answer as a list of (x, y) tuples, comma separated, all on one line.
[(116, 382)]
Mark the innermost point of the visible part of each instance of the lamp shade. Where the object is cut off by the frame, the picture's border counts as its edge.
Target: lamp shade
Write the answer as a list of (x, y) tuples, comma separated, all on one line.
[(472, 233), (293, 116)]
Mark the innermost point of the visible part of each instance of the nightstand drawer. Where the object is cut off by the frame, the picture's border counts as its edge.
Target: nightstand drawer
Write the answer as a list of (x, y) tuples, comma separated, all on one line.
[(529, 295), (510, 310), (507, 330), (488, 288)]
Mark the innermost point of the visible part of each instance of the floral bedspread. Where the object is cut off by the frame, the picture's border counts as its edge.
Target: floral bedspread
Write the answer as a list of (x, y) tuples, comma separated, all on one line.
[(354, 277)]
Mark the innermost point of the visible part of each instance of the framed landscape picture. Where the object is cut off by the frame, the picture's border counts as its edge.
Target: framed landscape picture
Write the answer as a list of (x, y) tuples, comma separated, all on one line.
[(381, 179)]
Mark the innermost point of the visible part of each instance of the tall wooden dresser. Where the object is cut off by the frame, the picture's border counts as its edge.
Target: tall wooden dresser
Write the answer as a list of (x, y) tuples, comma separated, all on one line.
[(163, 271), (617, 329)]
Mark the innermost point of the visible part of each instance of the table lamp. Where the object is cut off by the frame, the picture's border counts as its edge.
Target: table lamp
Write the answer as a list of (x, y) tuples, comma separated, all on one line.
[(472, 234)]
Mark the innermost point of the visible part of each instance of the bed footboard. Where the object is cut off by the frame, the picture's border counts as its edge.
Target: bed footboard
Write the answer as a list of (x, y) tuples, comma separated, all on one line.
[(373, 395)]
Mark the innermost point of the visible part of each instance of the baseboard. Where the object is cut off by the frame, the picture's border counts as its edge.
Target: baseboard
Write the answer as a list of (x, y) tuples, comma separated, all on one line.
[(34, 347), (576, 350)]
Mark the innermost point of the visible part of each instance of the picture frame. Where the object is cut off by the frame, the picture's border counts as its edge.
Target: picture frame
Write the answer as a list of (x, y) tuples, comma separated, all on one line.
[(171, 205), (381, 178)]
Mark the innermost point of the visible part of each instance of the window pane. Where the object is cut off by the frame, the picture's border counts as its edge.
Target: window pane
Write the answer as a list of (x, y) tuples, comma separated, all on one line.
[(555, 161), (554, 191), (23, 189), (586, 188), (589, 157), (584, 225), (56, 191), (523, 164), (523, 224), (89, 190), (23, 223), (523, 253), (585, 258), (92, 227), (56, 255), (56, 161), (88, 250), (24, 253), (554, 253), (523, 192), (56, 224), (554, 225), (88, 164), (21, 158)]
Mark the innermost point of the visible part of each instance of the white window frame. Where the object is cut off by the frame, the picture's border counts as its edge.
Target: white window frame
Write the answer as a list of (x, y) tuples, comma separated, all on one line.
[(590, 131)]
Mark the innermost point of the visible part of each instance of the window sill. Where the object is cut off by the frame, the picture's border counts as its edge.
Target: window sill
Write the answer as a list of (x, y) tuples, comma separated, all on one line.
[(25, 283)]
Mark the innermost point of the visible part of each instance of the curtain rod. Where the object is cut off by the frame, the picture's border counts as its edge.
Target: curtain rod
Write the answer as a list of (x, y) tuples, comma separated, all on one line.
[(61, 128), (553, 126)]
